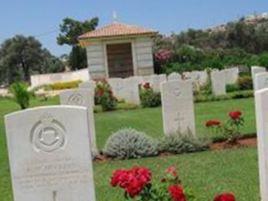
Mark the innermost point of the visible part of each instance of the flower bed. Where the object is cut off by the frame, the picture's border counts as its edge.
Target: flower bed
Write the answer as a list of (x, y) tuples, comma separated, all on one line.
[(137, 185)]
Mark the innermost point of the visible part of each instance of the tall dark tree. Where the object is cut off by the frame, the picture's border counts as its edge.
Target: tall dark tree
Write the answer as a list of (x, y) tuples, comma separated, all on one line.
[(70, 31), (22, 56)]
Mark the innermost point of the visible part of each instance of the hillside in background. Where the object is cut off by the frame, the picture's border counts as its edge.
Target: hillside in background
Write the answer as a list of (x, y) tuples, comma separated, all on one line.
[(240, 42)]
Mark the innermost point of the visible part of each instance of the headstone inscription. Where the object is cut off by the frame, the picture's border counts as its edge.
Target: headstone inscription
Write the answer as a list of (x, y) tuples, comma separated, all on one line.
[(49, 154), (178, 107)]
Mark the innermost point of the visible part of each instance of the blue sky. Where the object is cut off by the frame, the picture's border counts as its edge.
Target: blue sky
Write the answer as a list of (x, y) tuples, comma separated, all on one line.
[(41, 18)]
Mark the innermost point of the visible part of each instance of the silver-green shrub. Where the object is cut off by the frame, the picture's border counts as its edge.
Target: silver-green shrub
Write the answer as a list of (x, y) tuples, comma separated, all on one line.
[(129, 143), (182, 143)]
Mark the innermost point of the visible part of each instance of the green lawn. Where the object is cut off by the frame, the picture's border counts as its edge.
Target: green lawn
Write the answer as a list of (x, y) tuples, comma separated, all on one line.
[(207, 172), (149, 120)]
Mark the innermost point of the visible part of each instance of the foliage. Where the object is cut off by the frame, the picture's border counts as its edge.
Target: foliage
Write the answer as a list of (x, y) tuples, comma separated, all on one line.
[(138, 185), (233, 126), (232, 87), (104, 96), (232, 95), (161, 57), (149, 98), (21, 94), (63, 85), (245, 83), (129, 143), (263, 59), (70, 31), (231, 129), (182, 143), (199, 49), (22, 56), (78, 58)]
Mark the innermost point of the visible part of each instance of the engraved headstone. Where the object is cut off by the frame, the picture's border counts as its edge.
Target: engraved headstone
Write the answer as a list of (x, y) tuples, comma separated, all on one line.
[(117, 86), (147, 79), (131, 91), (218, 82), (231, 75), (254, 71), (177, 107), (261, 99), (49, 154), (201, 77), (261, 81), (174, 76), (81, 97), (90, 85), (156, 80)]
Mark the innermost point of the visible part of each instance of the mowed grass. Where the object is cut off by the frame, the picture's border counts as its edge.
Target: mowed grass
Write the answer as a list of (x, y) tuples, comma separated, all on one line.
[(149, 120), (206, 172)]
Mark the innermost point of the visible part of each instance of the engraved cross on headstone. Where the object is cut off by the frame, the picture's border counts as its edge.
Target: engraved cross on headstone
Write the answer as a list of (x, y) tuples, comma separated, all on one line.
[(54, 195), (178, 120)]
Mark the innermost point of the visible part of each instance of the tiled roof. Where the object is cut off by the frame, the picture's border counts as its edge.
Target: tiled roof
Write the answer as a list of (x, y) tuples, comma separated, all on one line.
[(117, 29)]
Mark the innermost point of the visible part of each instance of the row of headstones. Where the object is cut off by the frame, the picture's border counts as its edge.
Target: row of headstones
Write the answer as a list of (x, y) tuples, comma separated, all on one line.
[(128, 89), (260, 83), (176, 95), (221, 78), (50, 147)]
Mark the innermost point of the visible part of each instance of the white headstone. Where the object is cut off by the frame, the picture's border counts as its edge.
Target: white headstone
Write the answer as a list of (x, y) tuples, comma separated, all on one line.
[(117, 85), (261, 81), (254, 71), (200, 77), (81, 97), (174, 76), (218, 82), (156, 80), (131, 91), (261, 99), (177, 107), (231, 75), (49, 154), (147, 79), (90, 85)]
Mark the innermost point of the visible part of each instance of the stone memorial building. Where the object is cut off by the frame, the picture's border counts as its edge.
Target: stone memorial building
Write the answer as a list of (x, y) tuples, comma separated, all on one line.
[(119, 50)]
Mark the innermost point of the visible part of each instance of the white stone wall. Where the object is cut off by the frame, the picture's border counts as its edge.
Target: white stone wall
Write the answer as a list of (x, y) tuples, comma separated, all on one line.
[(144, 55), (37, 80), (96, 60)]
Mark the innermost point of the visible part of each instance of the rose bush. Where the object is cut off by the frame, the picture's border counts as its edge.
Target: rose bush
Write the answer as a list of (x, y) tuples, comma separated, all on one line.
[(104, 96), (231, 129), (149, 98), (137, 185)]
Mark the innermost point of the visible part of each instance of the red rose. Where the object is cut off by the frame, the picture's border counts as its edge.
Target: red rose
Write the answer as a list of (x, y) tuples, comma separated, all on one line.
[(132, 181), (212, 123), (172, 170), (235, 115), (225, 197), (147, 85), (177, 193)]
